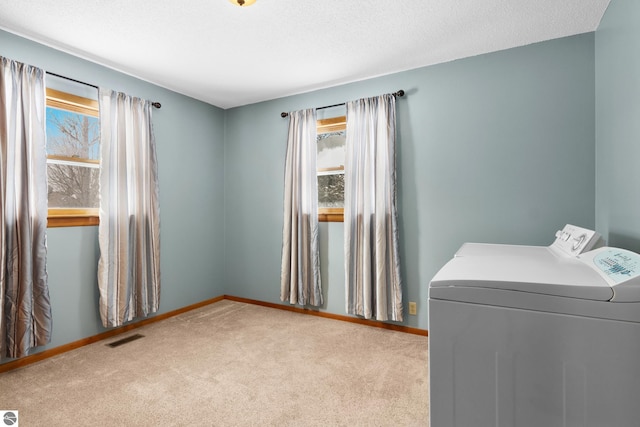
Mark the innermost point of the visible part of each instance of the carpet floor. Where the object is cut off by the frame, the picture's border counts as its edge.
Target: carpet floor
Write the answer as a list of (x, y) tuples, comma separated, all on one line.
[(230, 364)]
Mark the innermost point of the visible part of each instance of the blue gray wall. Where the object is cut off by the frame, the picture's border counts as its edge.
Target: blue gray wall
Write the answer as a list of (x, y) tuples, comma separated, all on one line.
[(495, 148), (190, 149), (618, 124)]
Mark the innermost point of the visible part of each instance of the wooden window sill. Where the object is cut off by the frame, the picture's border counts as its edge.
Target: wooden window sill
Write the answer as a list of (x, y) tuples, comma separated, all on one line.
[(331, 215), (72, 217)]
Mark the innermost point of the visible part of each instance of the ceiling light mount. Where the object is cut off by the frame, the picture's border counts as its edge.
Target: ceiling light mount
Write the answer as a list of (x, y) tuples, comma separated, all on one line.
[(243, 2)]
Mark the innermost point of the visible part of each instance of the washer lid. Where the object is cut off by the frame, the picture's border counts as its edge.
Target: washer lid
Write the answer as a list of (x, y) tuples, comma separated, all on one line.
[(538, 271)]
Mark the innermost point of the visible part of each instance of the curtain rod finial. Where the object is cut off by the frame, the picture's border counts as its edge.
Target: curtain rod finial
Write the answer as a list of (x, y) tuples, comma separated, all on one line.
[(399, 93), (156, 104), (283, 114)]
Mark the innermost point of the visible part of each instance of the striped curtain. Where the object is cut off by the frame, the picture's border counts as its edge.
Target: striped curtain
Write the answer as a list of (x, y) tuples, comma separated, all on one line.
[(25, 310), (129, 232), (300, 271), (372, 263)]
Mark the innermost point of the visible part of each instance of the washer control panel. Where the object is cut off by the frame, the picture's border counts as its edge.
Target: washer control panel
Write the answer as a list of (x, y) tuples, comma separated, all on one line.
[(619, 265), (573, 240), (620, 268)]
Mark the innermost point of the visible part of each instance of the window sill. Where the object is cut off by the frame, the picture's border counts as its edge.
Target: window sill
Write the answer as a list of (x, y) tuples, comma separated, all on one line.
[(331, 215), (72, 217)]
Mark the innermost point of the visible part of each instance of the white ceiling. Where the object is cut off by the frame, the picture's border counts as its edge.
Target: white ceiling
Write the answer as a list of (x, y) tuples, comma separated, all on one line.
[(229, 56)]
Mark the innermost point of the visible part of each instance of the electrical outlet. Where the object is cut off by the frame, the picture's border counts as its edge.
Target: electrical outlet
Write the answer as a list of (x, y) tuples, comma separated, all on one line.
[(413, 308)]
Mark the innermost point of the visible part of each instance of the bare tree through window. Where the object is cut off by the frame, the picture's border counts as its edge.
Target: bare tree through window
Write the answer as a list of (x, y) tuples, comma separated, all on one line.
[(331, 169), (73, 144)]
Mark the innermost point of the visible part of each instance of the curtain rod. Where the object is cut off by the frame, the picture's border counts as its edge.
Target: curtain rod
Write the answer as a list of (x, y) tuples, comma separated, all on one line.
[(396, 94), (155, 104)]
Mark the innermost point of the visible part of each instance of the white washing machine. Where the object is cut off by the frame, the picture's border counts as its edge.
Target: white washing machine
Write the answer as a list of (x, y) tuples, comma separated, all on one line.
[(523, 336)]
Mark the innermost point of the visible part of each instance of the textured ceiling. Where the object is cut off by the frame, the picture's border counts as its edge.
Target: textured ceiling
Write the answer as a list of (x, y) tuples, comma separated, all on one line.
[(229, 56)]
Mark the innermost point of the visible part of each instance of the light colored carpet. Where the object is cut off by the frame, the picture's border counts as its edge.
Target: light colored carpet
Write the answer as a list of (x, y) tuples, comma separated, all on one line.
[(230, 364)]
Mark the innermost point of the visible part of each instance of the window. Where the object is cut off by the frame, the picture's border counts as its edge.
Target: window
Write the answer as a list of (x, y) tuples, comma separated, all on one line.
[(331, 155), (73, 153)]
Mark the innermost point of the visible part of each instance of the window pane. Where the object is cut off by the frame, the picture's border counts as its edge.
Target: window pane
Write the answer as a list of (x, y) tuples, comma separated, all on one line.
[(331, 191), (72, 186), (72, 135), (331, 169), (73, 139), (331, 150)]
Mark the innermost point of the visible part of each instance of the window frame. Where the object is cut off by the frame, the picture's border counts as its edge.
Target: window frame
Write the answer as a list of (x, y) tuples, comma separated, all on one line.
[(333, 124), (63, 217)]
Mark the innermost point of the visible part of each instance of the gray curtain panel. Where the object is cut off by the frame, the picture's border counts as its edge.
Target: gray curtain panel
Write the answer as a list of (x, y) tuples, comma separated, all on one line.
[(25, 310), (129, 231), (372, 264), (300, 271)]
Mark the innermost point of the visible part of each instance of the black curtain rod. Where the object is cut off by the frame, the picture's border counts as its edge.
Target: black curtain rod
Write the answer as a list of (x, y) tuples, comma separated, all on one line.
[(155, 104), (73, 80), (396, 94)]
